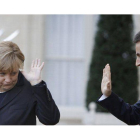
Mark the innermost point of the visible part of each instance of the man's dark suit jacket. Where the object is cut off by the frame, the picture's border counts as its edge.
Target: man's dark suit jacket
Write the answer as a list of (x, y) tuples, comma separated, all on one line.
[(22, 103), (130, 114)]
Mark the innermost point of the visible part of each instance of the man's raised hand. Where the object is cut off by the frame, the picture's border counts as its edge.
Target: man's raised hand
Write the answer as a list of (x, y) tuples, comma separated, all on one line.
[(106, 81), (34, 76)]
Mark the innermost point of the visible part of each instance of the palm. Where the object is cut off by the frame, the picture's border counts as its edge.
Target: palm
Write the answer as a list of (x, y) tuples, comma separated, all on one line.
[(34, 76), (106, 81)]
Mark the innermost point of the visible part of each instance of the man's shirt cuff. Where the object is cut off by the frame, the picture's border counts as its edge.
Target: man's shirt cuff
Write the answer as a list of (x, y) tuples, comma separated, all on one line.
[(102, 97)]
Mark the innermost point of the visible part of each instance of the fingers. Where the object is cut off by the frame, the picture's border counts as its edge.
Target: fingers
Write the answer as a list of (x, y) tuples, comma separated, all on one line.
[(37, 63), (106, 79), (42, 65), (107, 72), (32, 65)]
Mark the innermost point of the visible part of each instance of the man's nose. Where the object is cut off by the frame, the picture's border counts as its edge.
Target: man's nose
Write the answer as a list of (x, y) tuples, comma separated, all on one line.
[(8, 79)]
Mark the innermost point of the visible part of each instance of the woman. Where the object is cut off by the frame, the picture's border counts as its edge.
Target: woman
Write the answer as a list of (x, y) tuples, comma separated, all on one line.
[(23, 96)]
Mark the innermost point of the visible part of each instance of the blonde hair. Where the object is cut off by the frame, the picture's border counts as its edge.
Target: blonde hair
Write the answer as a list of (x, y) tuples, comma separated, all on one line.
[(11, 57)]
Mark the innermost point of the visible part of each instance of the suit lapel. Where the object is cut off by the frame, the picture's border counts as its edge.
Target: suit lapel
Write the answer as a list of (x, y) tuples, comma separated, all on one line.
[(11, 94)]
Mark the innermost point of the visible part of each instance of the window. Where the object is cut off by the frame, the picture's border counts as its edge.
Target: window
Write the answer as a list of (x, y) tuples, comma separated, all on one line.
[(64, 56)]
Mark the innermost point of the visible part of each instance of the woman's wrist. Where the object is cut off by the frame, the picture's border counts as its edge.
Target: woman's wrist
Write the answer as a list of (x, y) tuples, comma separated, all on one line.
[(35, 82)]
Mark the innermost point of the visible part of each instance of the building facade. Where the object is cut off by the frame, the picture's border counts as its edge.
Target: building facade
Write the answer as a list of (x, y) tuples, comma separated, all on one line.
[(65, 44)]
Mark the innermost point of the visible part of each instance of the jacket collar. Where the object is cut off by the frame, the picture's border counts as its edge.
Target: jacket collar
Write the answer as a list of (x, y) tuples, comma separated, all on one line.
[(11, 94), (20, 79)]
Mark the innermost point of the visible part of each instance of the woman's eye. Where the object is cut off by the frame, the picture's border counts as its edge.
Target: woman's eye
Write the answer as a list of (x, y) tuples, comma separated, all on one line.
[(13, 73)]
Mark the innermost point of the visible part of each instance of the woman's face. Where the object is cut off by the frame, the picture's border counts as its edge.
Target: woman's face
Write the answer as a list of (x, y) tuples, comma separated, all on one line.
[(8, 80)]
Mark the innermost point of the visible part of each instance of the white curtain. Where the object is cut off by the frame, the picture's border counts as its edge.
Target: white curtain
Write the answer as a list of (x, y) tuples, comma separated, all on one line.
[(64, 55)]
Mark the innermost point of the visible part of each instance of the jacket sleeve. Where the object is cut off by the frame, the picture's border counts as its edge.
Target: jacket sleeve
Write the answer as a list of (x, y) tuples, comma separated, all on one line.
[(46, 109), (130, 114)]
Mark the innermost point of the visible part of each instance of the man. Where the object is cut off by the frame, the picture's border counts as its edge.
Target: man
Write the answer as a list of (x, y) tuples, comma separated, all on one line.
[(23, 96), (130, 114)]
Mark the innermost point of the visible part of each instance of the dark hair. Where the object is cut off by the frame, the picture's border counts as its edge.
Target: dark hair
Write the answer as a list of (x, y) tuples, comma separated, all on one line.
[(137, 37)]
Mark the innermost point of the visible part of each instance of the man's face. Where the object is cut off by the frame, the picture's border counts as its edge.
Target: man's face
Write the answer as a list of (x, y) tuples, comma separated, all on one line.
[(138, 54), (8, 80)]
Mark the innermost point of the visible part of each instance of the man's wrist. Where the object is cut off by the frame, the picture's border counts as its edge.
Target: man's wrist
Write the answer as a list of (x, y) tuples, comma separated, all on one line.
[(107, 94)]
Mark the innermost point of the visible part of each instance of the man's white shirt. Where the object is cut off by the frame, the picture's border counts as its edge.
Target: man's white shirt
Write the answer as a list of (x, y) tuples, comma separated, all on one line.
[(102, 97)]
